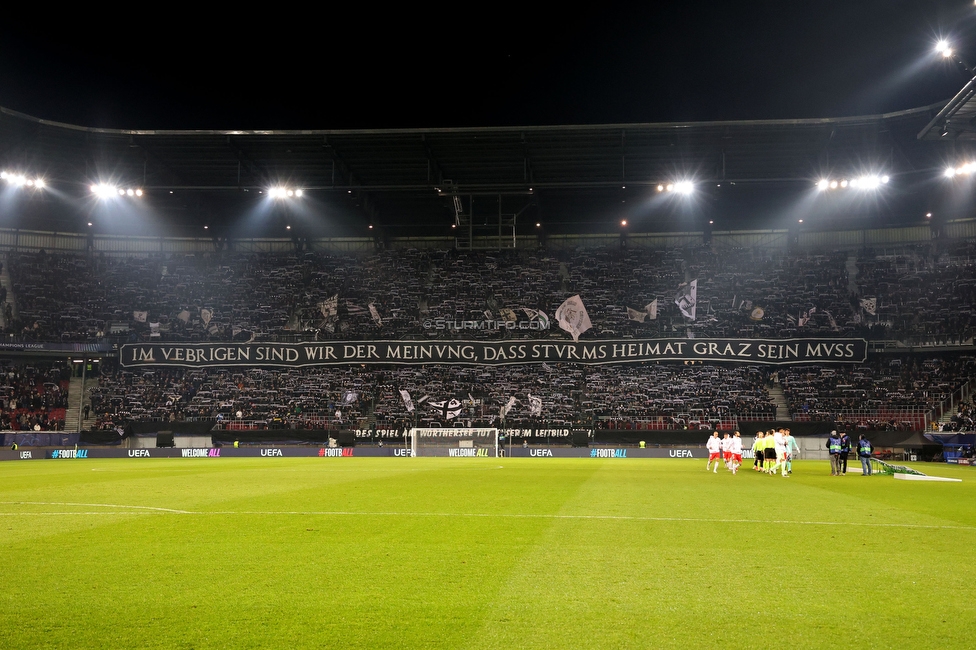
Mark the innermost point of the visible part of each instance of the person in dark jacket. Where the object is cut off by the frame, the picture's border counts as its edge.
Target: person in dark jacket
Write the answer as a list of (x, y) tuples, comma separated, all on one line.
[(845, 450), (833, 447), (864, 450)]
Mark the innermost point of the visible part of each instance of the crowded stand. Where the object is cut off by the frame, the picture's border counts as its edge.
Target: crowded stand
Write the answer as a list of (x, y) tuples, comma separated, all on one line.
[(649, 396), (33, 398), (914, 293)]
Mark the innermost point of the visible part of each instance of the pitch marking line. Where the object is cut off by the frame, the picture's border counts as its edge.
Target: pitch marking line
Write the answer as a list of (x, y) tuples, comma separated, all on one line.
[(87, 505), (346, 513)]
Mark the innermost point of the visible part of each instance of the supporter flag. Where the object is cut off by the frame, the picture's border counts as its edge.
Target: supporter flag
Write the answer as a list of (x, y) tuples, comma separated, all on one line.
[(805, 317), (354, 310), (154, 330), (757, 313), (406, 400), (350, 396), (546, 367), (508, 314), (508, 406), (448, 409), (330, 307), (870, 305), (206, 315), (488, 315), (833, 323), (651, 309), (572, 317), (638, 316), (535, 405), (184, 316), (687, 299), (140, 316), (376, 315), (530, 313), (543, 320)]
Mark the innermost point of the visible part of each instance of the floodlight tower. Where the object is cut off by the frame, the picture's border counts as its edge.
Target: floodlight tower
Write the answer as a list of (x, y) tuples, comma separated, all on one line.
[(944, 47)]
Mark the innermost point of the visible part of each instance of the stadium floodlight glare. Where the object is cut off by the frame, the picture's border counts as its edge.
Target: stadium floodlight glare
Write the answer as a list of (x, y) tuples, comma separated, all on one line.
[(949, 172), (660, 188), (103, 190), (282, 192), (944, 48), (684, 187), (823, 184), (21, 180)]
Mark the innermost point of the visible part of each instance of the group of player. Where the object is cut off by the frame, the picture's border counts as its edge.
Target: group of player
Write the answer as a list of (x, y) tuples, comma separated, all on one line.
[(773, 451), (727, 449)]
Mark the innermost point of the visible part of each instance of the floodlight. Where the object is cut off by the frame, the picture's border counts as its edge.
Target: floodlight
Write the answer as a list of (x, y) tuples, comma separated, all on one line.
[(623, 222), (670, 187), (39, 183), (949, 172), (660, 188), (299, 193), (823, 184), (138, 192), (290, 192), (885, 179), (121, 192), (684, 187), (103, 190), (833, 185), (844, 183), (130, 192)]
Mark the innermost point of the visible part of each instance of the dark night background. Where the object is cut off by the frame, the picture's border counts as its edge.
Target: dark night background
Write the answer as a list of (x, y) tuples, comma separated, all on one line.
[(473, 65)]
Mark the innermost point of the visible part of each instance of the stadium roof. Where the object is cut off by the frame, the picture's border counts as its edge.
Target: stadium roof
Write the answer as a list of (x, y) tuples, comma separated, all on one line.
[(406, 180)]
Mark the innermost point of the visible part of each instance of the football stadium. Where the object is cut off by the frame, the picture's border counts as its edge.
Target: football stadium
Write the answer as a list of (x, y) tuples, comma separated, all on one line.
[(669, 383)]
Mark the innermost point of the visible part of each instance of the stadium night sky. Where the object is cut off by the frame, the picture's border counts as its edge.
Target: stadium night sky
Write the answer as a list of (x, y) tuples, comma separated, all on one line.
[(465, 67)]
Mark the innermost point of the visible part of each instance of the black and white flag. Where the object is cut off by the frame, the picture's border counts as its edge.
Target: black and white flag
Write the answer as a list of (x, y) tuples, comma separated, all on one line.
[(687, 299), (870, 305), (508, 406), (330, 307), (406, 400), (572, 317), (376, 315), (651, 309), (535, 405), (448, 409)]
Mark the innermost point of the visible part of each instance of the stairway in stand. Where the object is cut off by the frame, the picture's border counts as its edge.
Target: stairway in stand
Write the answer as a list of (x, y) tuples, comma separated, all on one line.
[(778, 398)]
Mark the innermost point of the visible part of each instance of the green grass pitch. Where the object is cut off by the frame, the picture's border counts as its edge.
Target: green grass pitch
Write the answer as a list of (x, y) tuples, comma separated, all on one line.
[(480, 553)]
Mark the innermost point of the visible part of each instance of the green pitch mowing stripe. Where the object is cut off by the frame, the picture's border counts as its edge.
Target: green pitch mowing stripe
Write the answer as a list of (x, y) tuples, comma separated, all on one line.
[(479, 553)]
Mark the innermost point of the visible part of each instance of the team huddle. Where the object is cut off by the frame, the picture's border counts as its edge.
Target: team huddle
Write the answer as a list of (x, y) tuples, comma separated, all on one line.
[(773, 452)]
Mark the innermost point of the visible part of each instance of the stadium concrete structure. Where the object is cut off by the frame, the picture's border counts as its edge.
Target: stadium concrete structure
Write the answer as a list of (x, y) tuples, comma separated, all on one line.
[(575, 192)]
